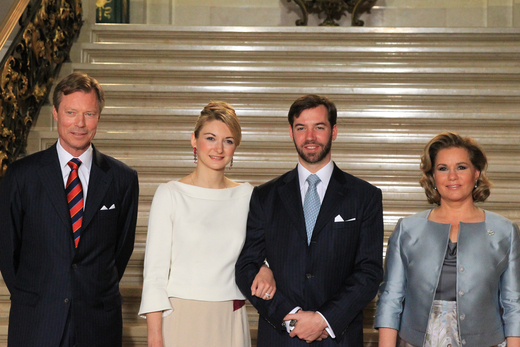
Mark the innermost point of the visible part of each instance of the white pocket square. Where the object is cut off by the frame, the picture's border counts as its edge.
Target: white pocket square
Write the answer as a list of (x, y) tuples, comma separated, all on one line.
[(338, 219), (104, 208)]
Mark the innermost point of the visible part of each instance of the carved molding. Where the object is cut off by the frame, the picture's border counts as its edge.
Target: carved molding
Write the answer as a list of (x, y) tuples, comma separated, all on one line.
[(334, 10), (49, 27)]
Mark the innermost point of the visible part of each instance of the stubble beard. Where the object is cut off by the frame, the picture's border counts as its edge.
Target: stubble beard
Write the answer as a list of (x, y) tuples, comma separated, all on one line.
[(314, 157)]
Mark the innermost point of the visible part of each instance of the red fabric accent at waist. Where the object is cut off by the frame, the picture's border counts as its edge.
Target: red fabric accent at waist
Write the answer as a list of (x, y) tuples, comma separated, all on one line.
[(237, 304)]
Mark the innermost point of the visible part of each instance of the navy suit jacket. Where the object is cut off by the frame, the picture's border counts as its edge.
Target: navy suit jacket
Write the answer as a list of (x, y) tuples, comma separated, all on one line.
[(337, 274), (46, 276)]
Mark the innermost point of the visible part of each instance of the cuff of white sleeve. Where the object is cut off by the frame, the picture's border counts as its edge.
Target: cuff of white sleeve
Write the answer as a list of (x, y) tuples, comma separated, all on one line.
[(287, 322), (328, 328)]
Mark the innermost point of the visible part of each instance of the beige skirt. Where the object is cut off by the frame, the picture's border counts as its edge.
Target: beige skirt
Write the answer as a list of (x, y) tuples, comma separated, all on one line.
[(205, 324)]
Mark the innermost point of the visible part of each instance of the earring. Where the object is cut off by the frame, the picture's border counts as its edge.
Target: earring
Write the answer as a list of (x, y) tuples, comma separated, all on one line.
[(195, 155), (231, 165), (476, 184), (435, 188)]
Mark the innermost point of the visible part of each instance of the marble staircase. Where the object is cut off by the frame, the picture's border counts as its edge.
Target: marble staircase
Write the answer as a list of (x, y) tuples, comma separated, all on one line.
[(394, 88)]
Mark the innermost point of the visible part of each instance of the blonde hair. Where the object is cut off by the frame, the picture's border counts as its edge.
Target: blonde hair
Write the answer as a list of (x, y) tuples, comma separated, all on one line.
[(222, 111), (476, 155)]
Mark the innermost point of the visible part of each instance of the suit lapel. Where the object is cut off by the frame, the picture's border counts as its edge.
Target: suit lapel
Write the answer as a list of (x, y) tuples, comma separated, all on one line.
[(99, 181), (334, 196), (290, 196), (51, 178)]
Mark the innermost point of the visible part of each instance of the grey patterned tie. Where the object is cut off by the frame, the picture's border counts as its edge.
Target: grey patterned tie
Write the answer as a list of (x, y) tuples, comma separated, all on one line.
[(311, 205)]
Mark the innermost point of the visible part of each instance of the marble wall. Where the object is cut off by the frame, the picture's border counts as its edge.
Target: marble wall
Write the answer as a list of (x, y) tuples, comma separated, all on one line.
[(5, 5), (386, 13)]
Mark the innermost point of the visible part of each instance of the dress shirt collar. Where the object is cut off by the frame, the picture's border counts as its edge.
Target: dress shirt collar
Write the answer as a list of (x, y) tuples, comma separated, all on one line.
[(324, 174), (65, 157)]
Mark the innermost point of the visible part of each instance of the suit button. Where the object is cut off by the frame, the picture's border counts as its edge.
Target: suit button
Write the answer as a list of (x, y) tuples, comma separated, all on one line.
[(66, 300), (461, 269), (462, 316), (74, 266), (309, 276), (463, 342), (461, 292)]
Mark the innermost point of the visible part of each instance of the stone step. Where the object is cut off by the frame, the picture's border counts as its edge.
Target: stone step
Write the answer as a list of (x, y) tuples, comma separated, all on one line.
[(381, 125), (359, 96), (184, 114), (294, 55), (260, 143), (156, 170), (246, 75), (3, 331), (298, 36), (154, 93)]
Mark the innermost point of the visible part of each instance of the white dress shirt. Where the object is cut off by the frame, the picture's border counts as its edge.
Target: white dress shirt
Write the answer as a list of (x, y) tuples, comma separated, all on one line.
[(324, 174), (83, 171)]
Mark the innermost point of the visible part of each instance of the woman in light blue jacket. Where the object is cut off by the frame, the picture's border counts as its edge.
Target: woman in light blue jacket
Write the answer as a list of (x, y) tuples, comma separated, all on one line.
[(452, 274)]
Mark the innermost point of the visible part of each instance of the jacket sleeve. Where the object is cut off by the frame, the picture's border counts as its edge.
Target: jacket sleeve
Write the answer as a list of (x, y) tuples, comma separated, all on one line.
[(11, 221), (392, 289), (127, 223), (510, 287), (249, 262)]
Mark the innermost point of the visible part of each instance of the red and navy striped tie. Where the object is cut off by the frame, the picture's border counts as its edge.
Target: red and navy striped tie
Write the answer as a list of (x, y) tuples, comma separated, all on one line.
[(74, 192)]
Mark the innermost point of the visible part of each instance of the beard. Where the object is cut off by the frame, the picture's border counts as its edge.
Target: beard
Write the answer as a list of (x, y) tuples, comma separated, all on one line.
[(314, 158)]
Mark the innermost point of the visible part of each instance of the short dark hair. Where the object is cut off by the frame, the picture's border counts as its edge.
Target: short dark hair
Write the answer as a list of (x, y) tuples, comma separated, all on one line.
[(78, 82), (312, 101), (476, 155)]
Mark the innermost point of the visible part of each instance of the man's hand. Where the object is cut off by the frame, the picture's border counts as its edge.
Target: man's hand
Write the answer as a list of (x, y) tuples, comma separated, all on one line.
[(309, 326), (324, 335)]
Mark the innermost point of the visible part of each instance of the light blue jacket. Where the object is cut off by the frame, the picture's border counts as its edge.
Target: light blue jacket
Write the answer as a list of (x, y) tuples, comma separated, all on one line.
[(488, 278)]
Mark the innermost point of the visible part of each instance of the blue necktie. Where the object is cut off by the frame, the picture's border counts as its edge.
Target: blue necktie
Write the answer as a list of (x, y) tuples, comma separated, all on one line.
[(311, 205)]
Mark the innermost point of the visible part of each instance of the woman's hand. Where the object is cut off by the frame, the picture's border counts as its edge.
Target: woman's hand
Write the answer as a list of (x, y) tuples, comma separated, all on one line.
[(264, 285), (387, 337), (154, 323)]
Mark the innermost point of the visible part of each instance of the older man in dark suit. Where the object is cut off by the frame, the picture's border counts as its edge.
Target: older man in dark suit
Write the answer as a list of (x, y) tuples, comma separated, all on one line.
[(67, 227), (321, 232)]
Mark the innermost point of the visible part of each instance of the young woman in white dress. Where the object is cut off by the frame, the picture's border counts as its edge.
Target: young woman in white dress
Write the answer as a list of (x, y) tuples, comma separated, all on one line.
[(196, 230)]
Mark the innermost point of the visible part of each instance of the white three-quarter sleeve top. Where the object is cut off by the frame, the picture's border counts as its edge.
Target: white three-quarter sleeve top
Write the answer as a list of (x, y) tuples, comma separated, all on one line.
[(194, 238)]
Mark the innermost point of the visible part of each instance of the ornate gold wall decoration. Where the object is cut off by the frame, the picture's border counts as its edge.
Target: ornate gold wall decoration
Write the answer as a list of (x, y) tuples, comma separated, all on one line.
[(334, 10), (49, 27), (112, 11)]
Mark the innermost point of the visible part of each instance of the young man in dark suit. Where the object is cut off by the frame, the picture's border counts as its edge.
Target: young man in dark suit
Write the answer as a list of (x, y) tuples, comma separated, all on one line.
[(321, 232), (67, 228)]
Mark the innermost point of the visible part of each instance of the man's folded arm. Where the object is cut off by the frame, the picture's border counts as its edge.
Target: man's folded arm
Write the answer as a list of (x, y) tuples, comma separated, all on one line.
[(249, 262)]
